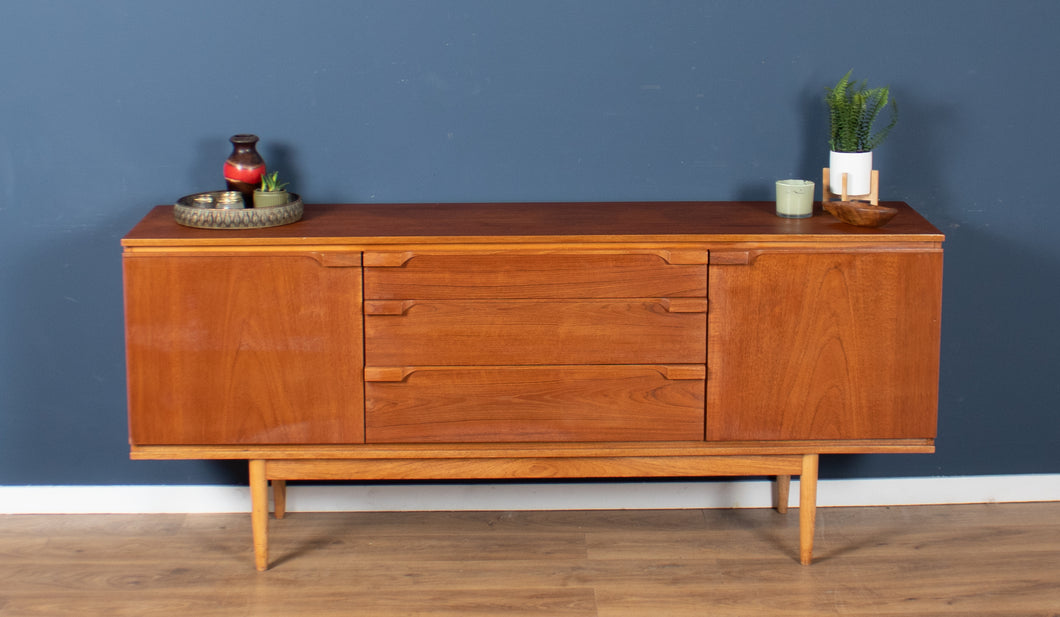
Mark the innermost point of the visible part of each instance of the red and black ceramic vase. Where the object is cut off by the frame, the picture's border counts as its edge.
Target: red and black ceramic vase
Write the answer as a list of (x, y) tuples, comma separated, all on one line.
[(244, 167)]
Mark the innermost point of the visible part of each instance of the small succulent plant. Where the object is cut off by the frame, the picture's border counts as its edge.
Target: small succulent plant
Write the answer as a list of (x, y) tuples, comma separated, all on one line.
[(270, 182)]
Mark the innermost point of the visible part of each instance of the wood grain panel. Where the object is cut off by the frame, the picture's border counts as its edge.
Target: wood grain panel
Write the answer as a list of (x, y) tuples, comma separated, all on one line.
[(825, 346), (537, 450), (523, 404), (243, 350), (453, 469), (564, 224), (495, 275), (513, 332)]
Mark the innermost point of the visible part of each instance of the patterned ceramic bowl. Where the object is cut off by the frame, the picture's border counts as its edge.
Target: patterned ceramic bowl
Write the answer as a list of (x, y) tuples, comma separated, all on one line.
[(189, 211)]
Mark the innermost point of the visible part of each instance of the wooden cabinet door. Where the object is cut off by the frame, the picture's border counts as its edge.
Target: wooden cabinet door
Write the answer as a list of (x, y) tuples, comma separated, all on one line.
[(263, 349), (824, 346)]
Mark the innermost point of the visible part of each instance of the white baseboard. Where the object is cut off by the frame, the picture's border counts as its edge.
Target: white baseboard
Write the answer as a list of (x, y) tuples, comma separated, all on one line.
[(536, 496)]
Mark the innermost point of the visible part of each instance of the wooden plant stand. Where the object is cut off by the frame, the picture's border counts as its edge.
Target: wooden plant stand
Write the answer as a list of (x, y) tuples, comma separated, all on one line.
[(873, 196)]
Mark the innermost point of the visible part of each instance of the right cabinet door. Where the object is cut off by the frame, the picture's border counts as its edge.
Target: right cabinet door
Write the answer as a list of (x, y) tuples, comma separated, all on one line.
[(824, 346)]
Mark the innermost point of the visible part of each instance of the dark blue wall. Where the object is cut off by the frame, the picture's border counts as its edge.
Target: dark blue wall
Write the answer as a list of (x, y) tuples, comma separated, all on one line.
[(110, 107)]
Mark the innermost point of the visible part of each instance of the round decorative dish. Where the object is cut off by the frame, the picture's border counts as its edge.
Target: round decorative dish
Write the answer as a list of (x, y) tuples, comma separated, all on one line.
[(187, 213)]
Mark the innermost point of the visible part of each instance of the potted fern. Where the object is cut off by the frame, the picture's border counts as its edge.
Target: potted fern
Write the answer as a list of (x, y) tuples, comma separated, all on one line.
[(271, 193), (853, 111)]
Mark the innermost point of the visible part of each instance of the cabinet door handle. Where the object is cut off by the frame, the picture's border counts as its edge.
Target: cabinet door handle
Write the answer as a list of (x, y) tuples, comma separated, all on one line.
[(685, 305), (387, 260), (391, 374), (388, 307), (733, 258)]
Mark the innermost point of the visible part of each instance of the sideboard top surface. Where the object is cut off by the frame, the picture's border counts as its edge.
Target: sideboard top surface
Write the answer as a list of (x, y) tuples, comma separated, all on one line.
[(380, 224)]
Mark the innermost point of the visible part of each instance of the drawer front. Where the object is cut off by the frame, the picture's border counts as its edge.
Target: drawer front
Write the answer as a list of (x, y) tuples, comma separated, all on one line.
[(521, 332), (534, 404), (651, 274)]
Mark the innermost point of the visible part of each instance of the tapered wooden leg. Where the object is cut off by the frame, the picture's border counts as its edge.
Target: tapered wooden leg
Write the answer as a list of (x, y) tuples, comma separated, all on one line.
[(781, 488), (807, 507), (259, 514), (279, 498)]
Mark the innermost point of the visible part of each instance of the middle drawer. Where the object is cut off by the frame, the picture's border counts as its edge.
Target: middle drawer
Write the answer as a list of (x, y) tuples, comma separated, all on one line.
[(535, 332)]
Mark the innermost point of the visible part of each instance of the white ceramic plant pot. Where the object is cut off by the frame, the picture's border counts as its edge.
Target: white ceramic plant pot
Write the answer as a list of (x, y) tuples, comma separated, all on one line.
[(858, 168)]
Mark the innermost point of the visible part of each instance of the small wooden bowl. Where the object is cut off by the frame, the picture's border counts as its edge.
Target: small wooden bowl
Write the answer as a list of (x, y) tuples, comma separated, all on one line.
[(860, 213)]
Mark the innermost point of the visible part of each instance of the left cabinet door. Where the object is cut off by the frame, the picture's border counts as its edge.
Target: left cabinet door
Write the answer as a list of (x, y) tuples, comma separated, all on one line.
[(244, 349)]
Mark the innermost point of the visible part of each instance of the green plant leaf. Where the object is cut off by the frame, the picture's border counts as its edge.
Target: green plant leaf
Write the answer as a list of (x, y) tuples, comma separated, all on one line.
[(853, 110)]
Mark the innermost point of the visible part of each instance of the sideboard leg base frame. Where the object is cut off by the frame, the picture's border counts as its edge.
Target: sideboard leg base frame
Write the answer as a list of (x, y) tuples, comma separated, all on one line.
[(259, 513), (781, 489), (279, 471), (279, 498), (807, 507)]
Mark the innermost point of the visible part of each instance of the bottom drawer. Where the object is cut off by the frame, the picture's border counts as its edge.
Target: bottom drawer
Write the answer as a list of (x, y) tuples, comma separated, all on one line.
[(534, 404)]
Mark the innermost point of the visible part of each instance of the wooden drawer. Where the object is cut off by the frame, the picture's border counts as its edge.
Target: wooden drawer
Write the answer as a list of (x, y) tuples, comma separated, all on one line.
[(527, 404), (648, 274), (520, 332)]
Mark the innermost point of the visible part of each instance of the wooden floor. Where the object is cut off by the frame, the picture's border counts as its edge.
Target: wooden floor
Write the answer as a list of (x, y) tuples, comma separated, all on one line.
[(981, 560)]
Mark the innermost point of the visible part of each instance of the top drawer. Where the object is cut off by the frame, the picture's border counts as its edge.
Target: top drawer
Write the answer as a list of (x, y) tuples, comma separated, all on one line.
[(649, 273)]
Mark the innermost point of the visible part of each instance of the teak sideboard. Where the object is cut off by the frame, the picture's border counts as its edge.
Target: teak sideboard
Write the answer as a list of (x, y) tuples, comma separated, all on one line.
[(543, 340)]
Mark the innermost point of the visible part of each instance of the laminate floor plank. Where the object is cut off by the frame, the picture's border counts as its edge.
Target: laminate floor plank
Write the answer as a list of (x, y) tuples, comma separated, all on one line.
[(988, 560)]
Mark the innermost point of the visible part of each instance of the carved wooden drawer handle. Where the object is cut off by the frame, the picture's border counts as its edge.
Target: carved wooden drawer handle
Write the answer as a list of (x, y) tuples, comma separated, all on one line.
[(683, 372), (388, 307), (685, 305), (338, 260)]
